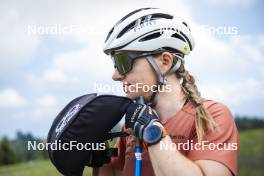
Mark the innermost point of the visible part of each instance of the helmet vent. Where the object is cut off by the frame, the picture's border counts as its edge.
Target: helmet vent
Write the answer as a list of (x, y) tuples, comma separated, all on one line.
[(176, 35), (110, 32), (123, 19), (132, 13), (185, 24), (161, 15), (151, 36), (152, 17), (126, 29)]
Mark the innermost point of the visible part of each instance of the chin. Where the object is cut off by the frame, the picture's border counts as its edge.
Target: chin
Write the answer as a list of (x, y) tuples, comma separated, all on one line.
[(132, 96)]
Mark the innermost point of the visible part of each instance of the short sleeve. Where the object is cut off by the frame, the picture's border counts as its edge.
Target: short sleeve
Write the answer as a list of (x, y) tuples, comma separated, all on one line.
[(119, 161), (222, 144)]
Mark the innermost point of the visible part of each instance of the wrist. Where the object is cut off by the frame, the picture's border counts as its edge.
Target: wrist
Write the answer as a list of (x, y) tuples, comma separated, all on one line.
[(154, 133)]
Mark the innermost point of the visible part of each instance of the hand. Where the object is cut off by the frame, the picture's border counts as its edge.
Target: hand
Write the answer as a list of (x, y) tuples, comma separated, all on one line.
[(138, 117)]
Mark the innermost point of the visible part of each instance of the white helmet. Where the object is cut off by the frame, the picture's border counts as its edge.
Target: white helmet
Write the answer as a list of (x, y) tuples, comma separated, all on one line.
[(150, 29)]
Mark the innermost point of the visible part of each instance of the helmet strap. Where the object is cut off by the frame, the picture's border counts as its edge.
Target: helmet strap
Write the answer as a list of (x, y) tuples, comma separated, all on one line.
[(178, 63), (161, 77), (161, 81)]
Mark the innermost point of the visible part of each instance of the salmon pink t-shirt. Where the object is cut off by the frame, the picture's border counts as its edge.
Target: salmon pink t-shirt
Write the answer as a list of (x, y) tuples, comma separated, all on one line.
[(221, 145)]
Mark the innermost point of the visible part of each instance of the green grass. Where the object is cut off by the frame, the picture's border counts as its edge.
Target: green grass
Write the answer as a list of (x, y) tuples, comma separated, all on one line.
[(251, 159), (36, 168), (251, 155)]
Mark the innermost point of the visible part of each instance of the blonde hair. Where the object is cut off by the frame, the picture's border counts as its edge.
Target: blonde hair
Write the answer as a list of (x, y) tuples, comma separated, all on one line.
[(203, 118)]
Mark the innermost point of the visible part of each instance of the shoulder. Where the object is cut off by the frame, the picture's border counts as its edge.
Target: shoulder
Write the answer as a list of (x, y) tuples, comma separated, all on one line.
[(214, 108), (212, 105), (222, 116), (217, 109)]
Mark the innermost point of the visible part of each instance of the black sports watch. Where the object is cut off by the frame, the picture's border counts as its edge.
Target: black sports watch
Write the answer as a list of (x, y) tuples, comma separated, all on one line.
[(153, 134)]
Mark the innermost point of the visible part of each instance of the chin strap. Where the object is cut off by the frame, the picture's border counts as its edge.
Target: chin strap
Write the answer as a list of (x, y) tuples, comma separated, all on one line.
[(162, 80)]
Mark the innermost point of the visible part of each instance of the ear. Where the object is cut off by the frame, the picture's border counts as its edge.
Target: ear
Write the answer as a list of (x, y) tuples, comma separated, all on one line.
[(165, 62)]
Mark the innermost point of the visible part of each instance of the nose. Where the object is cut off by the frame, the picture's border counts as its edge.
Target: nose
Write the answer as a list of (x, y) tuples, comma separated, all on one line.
[(117, 76)]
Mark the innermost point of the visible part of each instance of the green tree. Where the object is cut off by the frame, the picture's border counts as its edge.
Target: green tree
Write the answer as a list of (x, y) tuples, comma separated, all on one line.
[(21, 150), (7, 154), (248, 123)]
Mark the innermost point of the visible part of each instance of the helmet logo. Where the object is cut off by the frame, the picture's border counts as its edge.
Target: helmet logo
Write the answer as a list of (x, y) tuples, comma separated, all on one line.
[(146, 22), (185, 49)]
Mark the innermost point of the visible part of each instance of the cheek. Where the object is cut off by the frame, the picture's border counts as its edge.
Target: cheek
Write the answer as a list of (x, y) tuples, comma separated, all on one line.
[(149, 77), (143, 73)]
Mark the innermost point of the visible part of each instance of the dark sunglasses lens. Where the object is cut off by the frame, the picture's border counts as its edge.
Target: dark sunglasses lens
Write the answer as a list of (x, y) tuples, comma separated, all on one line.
[(122, 63)]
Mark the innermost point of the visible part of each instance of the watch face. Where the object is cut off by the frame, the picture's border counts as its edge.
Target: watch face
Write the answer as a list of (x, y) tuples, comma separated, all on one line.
[(152, 134)]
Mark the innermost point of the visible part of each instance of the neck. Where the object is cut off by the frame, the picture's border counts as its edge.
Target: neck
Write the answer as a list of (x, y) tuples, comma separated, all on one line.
[(170, 102)]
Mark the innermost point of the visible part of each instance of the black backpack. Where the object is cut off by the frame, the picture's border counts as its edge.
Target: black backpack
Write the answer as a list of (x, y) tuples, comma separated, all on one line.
[(88, 120)]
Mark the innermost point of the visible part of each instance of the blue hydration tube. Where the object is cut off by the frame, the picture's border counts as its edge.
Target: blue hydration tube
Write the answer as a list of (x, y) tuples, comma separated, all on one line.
[(138, 160), (138, 149)]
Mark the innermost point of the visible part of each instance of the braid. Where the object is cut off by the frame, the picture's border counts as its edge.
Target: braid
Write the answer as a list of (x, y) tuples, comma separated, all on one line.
[(203, 118)]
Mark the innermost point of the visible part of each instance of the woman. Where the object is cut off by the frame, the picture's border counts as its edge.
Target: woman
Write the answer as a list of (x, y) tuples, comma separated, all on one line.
[(199, 136)]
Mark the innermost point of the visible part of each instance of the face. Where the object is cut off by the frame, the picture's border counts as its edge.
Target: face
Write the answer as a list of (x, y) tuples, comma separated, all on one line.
[(142, 75)]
